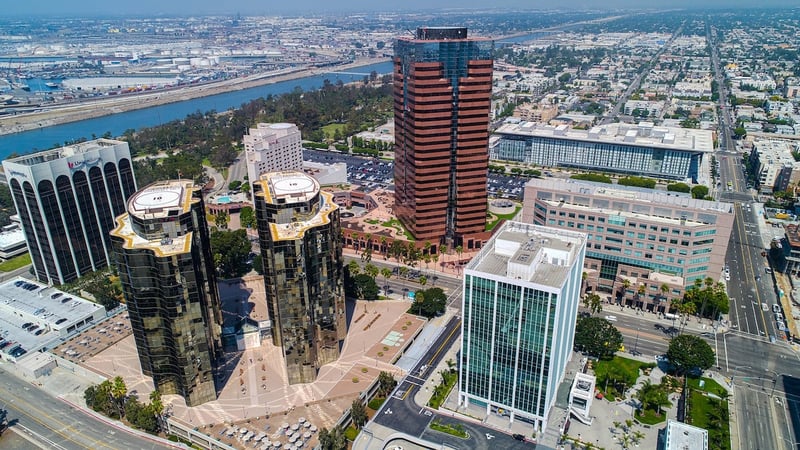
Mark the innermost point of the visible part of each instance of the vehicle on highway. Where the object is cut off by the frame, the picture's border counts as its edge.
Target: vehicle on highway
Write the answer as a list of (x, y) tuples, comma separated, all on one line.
[(764, 307), (776, 308), (518, 437), (779, 325), (767, 270), (611, 318)]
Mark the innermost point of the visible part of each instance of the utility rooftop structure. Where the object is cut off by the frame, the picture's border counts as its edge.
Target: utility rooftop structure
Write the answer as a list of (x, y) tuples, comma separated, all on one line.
[(642, 149), (521, 296), (67, 199)]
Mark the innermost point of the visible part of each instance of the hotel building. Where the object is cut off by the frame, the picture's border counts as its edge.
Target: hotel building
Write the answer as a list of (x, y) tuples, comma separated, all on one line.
[(301, 245), (649, 238), (442, 92), (271, 147), (67, 199), (643, 149), (170, 287), (520, 303)]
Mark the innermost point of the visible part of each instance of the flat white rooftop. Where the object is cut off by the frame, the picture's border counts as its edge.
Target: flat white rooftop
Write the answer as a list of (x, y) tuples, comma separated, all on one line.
[(531, 253), (643, 135), (680, 436), (290, 187)]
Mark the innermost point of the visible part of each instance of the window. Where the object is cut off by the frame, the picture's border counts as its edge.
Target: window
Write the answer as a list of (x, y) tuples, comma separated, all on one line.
[(705, 233), (591, 218), (651, 237), (673, 241), (648, 256), (561, 223), (571, 215), (704, 242), (630, 234), (601, 219), (640, 235), (590, 227), (582, 216), (637, 254), (685, 243)]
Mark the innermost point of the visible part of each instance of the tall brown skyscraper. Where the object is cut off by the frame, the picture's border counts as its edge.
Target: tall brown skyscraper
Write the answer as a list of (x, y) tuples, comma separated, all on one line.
[(442, 94)]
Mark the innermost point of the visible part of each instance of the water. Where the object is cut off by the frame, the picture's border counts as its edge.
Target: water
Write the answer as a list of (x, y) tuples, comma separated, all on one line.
[(116, 124)]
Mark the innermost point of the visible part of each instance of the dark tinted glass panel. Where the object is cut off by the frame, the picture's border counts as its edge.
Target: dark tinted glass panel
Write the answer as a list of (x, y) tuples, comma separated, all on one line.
[(101, 201), (40, 230), (114, 189), (126, 176), (30, 234), (73, 222), (90, 220), (58, 232)]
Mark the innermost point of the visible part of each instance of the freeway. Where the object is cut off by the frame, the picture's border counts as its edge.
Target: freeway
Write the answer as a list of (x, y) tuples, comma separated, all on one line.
[(55, 424)]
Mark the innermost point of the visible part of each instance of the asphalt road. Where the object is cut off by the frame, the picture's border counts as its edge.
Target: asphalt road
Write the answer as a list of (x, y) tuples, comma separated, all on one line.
[(408, 417), (57, 425)]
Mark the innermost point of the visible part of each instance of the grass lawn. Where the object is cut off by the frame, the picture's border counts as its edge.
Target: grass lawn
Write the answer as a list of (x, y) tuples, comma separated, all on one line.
[(394, 223), (649, 417), (15, 263), (330, 129), (630, 367), (490, 225), (710, 386), (701, 409)]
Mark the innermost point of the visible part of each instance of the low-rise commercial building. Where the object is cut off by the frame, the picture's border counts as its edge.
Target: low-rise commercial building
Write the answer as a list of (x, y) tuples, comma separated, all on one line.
[(645, 246), (773, 163), (642, 149), (34, 316)]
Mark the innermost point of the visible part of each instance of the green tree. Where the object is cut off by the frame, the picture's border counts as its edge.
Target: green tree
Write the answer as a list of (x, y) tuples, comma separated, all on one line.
[(354, 268), (231, 250), (597, 337), (333, 439), (258, 264), (592, 303), (386, 383), (653, 397), (699, 191), (247, 217), (679, 187), (221, 219), (429, 303), (118, 392), (358, 413), (688, 352)]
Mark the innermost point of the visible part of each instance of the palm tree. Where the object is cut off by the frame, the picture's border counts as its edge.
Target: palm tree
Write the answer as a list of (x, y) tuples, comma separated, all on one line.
[(459, 251), (626, 283), (592, 303), (584, 276), (423, 280), (386, 273), (354, 268), (384, 247), (118, 392), (664, 291), (356, 243), (157, 406), (371, 270), (427, 247)]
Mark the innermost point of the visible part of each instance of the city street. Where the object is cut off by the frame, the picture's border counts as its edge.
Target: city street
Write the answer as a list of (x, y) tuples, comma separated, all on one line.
[(55, 424)]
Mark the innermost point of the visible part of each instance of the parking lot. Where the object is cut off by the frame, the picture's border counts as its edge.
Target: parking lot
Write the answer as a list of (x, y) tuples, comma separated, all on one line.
[(372, 173)]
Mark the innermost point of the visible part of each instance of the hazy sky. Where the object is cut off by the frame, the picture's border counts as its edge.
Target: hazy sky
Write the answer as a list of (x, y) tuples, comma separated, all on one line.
[(276, 7)]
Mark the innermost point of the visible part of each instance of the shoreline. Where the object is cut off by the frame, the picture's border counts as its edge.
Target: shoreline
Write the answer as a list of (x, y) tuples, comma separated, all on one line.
[(94, 108)]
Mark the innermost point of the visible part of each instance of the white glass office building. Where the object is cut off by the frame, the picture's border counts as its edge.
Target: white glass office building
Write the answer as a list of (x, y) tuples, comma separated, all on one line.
[(521, 297), (642, 149)]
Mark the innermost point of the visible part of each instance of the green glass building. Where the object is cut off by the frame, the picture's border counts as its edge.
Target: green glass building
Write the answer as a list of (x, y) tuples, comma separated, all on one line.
[(301, 246), (520, 303), (168, 279)]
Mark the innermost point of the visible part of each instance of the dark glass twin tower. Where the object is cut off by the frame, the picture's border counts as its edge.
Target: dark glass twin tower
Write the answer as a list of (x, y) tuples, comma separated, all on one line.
[(168, 279)]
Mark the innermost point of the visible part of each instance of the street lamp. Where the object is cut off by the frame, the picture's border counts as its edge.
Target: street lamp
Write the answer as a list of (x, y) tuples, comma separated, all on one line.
[(774, 381)]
